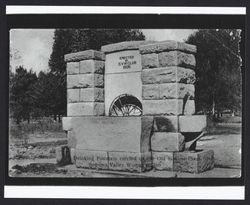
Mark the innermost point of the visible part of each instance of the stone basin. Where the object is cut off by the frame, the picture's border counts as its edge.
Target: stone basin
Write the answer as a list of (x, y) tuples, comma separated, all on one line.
[(125, 134), (130, 134)]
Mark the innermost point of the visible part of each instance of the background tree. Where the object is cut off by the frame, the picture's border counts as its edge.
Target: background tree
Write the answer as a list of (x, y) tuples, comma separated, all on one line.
[(21, 91), (44, 94), (74, 40), (218, 72)]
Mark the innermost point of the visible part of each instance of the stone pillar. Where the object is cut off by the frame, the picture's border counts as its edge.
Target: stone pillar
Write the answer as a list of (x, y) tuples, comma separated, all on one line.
[(85, 90), (85, 83), (168, 93), (168, 78)]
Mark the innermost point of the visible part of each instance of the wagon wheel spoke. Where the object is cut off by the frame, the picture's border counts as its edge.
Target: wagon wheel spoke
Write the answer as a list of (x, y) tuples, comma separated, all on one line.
[(126, 105)]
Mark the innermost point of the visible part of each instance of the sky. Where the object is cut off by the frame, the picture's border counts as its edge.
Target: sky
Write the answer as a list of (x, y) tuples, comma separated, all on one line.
[(32, 47)]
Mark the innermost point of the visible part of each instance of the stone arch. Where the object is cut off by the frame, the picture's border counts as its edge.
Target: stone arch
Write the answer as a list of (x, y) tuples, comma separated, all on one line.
[(125, 105)]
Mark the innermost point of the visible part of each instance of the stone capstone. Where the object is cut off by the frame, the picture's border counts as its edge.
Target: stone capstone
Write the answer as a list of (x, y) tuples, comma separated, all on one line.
[(92, 66), (126, 45), (84, 55), (167, 142), (169, 45), (171, 74)]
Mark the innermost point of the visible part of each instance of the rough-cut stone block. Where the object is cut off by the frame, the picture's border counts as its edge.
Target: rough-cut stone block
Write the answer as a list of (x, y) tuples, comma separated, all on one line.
[(63, 155), (146, 132), (84, 55), (168, 75), (162, 107), (91, 159), (91, 80), (194, 162), (72, 68), (92, 66), (192, 123), (189, 108), (59, 155), (168, 107), (71, 137), (165, 123), (85, 81), (187, 48), (167, 142), (92, 95), (72, 81), (73, 95), (176, 90), (151, 91), (130, 161), (176, 58), (169, 45), (149, 61), (67, 123), (85, 108), (126, 45), (73, 155), (167, 91), (163, 160), (126, 134)]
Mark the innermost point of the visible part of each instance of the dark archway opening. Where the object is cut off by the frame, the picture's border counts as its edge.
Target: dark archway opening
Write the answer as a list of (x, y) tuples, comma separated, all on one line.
[(125, 105)]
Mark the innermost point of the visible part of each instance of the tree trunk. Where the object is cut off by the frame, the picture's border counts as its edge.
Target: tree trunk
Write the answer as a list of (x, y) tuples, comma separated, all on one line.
[(213, 108), (59, 118), (233, 113), (55, 117), (18, 121)]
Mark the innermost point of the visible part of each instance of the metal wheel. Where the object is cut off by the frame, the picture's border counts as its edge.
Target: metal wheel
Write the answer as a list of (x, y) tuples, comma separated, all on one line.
[(125, 105)]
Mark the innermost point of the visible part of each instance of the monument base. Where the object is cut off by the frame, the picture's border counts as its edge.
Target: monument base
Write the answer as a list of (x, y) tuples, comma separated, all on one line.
[(117, 161), (194, 162), (163, 160), (187, 161)]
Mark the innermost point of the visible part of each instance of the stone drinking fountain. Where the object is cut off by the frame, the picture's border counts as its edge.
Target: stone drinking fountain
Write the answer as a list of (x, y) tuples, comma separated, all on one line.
[(130, 107)]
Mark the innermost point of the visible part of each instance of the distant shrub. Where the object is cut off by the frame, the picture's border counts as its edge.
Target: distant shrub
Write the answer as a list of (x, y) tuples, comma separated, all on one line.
[(35, 126)]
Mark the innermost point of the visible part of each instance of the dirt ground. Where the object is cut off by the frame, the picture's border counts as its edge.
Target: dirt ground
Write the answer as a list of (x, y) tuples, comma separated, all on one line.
[(35, 156)]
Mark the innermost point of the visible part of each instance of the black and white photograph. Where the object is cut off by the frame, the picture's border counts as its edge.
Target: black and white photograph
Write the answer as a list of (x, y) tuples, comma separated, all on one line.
[(125, 103)]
